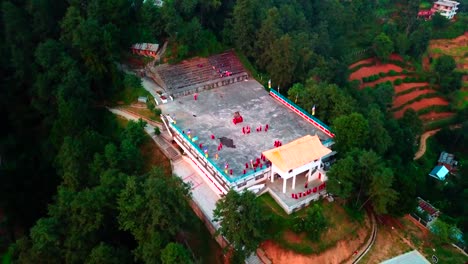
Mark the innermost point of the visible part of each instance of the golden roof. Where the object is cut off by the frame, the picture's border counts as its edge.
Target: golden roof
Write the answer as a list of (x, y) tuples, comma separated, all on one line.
[(297, 153)]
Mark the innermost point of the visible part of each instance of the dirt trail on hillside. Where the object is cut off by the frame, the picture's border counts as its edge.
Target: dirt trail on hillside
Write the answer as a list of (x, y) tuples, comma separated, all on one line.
[(422, 143)]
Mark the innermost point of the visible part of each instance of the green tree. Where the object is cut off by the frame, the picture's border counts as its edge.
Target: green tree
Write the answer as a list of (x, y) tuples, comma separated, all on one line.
[(107, 254), (439, 21), (351, 131), (402, 44), (313, 223), (341, 179), (383, 46), (443, 231), (379, 138), (175, 253), (444, 65), (361, 177), (267, 34), (245, 21), (411, 121), (242, 221), (153, 211), (419, 40), (381, 192), (330, 101)]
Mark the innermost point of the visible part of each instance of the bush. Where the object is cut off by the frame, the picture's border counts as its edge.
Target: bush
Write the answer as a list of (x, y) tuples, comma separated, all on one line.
[(313, 223), (365, 79), (398, 81), (382, 74), (150, 103), (157, 111), (405, 71), (157, 132), (392, 73)]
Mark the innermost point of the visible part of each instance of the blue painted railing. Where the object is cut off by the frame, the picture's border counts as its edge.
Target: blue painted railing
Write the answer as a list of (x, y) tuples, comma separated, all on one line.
[(300, 109)]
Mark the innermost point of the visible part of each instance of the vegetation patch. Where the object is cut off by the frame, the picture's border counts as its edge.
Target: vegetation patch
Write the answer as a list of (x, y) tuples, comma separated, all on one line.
[(130, 91), (339, 226), (445, 122)]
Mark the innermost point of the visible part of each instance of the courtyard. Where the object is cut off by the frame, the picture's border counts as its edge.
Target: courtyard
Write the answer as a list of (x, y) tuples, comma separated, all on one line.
[(212, 114)]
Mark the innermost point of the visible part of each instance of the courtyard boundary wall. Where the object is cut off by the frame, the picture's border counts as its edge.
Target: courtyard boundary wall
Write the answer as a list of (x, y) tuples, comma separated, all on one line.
[(301, 112)]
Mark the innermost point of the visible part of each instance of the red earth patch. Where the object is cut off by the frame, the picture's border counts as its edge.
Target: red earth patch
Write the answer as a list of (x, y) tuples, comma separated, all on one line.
[(400, 100), (426, 102), (372, 70)]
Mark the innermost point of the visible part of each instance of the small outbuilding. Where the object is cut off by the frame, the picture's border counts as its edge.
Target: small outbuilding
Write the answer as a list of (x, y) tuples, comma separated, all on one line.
[(439, 172), (142, 99)]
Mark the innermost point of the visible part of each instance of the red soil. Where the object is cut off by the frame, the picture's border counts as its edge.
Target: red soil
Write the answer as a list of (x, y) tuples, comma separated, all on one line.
[(372, 70), (400, 100), (382, 80), (433, 115), (396, 57), (365, 61), (342, 251), (426, 102), (405, 86)]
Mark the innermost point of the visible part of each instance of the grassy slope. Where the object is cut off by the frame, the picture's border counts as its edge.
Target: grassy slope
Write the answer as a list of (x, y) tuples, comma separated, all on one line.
[(340, 227)]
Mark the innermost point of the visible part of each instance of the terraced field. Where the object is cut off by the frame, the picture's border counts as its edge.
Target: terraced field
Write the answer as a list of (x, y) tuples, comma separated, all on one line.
[(410, 91)]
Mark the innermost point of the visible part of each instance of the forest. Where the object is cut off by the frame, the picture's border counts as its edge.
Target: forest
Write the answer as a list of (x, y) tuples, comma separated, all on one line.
[(74, 188)]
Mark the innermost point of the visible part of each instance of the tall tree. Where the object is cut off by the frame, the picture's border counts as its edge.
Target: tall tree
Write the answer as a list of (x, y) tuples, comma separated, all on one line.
[(153, 211), (175, 253), (379, 139), (245, 21), (363, 178), (383, 46), (330, 101), (242, 221), (351, 131)]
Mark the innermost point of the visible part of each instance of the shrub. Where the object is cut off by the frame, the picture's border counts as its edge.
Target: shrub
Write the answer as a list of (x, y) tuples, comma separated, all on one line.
[(405, 71), (392, 73), (398, 81), (365, 79), (407, 79), (382, 74), (157, 132), (150, 103), (157, 111), (313, 223)]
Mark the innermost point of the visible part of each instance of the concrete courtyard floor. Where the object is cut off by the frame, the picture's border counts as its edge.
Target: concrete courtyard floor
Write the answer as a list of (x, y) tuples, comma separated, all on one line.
[(213, 112)]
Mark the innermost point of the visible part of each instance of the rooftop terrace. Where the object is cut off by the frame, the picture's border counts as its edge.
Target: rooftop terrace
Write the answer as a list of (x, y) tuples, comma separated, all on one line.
[(212, 114)]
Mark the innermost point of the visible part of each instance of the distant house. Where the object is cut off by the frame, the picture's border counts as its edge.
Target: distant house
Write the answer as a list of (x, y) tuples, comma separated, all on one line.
[(424, 206), (446, 8), (426, 14), (448, 160), (145, 49), (439, 172)]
